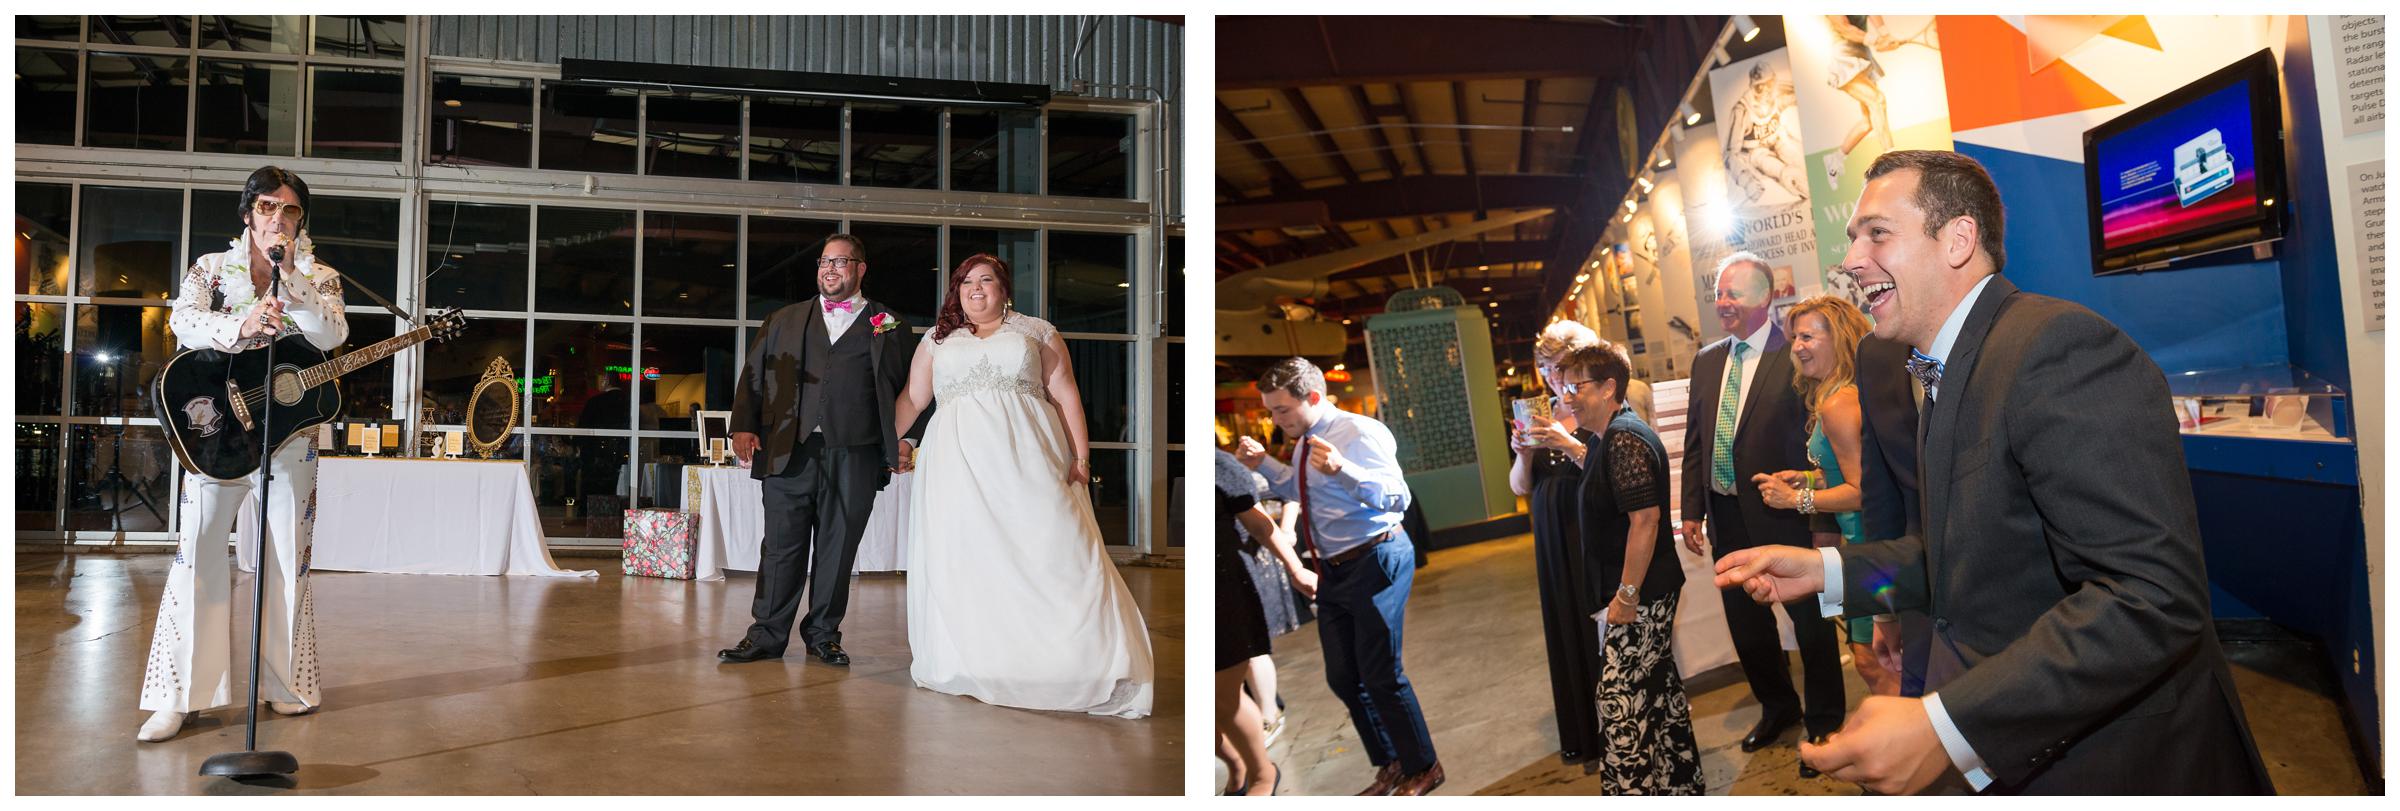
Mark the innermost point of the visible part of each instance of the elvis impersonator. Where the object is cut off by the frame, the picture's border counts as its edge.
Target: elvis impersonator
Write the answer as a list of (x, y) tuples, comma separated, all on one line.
[(223, 306)]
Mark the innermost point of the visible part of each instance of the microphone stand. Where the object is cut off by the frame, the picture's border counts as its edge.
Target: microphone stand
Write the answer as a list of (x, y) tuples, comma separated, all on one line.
[(250, 762)]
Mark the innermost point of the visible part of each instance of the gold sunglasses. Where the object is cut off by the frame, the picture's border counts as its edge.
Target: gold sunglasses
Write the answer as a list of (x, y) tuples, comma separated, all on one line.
[(270, 208)]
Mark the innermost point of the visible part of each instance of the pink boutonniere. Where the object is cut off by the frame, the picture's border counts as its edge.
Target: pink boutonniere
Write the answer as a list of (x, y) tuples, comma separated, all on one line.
[(883, 322)]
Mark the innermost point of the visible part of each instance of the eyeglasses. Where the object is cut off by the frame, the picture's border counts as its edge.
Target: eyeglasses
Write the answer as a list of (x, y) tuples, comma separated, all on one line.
[(267, 207), (1570, 386), (839, 262)]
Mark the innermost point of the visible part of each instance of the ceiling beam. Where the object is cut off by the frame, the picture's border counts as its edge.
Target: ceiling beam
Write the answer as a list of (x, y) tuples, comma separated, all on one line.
[(1386, 157), (1316, 127), (1533, 101), (1275, 51), (1282, 179), (1408, 196)]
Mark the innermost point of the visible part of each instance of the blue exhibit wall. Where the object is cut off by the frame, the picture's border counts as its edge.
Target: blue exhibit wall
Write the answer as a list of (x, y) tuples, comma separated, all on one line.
[(2312, 287)]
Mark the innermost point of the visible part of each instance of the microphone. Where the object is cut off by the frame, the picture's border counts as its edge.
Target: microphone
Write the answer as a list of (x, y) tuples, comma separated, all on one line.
[(275, 254)]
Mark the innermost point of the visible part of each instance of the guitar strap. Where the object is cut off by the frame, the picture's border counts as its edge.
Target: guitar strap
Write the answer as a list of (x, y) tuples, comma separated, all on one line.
[(349, 283)]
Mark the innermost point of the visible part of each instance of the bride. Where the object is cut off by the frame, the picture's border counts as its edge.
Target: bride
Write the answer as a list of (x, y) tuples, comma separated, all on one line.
[(1011, 597)]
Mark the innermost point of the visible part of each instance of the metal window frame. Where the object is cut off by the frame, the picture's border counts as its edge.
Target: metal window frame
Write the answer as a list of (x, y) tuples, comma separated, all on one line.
[(418, 185)]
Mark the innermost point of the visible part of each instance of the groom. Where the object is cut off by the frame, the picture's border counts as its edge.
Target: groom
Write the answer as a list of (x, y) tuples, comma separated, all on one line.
[(819, 387)]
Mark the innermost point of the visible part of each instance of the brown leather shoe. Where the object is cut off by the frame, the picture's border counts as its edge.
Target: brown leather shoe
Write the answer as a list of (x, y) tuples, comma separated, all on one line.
[(1421, 783), (1385, 779)]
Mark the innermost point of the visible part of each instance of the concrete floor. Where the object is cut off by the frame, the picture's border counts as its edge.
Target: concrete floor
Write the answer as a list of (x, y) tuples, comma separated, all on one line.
[(1474, 651), (520, 685)]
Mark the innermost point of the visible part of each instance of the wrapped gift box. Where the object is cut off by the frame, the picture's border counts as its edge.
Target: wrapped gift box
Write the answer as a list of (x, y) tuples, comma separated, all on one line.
[(658, 543)]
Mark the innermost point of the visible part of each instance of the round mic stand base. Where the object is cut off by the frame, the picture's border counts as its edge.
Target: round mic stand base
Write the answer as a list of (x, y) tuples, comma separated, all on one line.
[(249, 764)]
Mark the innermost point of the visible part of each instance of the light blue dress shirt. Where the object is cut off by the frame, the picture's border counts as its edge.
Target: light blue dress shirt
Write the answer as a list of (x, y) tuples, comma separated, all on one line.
[(1364, 500)]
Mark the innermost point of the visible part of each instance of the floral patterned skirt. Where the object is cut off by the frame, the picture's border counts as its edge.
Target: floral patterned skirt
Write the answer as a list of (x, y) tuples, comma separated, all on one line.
[(1645, 718)]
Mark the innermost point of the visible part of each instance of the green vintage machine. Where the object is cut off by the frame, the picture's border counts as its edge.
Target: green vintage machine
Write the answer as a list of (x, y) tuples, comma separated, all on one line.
[(1432, 356)]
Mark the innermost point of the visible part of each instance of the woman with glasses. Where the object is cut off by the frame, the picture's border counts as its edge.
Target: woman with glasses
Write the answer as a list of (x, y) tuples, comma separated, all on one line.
[(1549, 464), (1647, 745), (226, 305)]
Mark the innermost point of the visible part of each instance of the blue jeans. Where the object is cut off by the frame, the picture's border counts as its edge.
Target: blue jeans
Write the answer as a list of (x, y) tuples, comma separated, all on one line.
[(1360, 608)]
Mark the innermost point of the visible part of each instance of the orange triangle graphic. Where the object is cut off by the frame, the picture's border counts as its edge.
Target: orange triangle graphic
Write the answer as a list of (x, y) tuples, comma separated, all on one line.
[(1986, 65), (2136, 30), (2048, 37)]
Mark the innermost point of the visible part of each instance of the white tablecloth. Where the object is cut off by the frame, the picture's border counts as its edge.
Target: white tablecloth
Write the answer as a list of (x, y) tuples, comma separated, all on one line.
[(425, 516), (733, 523)]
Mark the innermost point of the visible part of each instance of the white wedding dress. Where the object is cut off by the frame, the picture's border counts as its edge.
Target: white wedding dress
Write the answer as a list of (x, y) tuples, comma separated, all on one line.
[(1011, 598)]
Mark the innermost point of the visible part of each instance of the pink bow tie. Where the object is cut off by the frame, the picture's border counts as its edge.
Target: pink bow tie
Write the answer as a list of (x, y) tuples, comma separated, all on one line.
[(843, 306)]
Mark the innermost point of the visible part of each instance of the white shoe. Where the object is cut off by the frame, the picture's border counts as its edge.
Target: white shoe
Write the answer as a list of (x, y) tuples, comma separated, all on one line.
[(290, 708), (161, 726)]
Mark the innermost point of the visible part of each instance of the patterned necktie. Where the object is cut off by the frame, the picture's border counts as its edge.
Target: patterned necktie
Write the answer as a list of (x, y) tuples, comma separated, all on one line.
[(831, 306), (1722, 460), (1927, 371)]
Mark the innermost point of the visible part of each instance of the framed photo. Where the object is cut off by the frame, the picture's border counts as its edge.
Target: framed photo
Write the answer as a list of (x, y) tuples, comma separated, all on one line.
[(713, 425)]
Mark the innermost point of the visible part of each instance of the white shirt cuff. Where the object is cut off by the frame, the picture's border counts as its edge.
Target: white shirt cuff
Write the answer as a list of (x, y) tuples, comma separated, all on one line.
[(1961, 755), (1829, 600)]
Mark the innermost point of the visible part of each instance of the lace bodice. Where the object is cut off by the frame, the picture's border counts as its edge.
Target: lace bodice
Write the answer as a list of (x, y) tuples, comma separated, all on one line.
[(1007, 361)]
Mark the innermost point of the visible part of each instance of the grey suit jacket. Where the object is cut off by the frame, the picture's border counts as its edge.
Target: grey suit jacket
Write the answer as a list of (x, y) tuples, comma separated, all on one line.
[(766, 398), (2060, 559)]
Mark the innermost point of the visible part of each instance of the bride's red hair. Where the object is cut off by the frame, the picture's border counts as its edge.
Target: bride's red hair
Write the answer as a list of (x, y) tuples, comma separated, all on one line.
[(953, 316)]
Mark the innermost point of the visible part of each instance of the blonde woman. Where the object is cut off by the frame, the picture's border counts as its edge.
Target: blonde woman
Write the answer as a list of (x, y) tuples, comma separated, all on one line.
[(1548, 468), (1826, 331)]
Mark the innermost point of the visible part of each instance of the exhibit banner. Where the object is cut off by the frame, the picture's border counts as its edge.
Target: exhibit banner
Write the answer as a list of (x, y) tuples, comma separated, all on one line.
[(1766, 178), (1676, 327), (1708, 221), (1867, 84)]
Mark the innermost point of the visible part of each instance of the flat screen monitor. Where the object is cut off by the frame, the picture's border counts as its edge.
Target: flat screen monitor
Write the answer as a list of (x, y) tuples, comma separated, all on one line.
[(2196, 171)]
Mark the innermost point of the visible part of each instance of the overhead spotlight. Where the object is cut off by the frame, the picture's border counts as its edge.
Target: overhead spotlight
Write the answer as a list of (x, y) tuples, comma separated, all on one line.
[(1580, 278), (1487, 288), (1721, 56), (1749, 29), (1690, 116), (1664, 161), (1630, 205), (1341, 367), (1675, 133), (1512, 371), (1595, 263), (1645, 183), (1483, 267), (1627, 218)]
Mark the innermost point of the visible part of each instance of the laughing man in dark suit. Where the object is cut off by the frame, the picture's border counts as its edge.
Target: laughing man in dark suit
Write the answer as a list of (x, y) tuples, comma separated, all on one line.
[(2072, 649)]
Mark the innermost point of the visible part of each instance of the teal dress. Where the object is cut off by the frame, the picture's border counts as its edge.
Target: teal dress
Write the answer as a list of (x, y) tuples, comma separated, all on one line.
[(1820, 453)]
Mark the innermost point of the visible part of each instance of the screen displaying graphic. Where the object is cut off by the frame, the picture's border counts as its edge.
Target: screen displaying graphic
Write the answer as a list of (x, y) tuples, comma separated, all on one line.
[(2184, 171)]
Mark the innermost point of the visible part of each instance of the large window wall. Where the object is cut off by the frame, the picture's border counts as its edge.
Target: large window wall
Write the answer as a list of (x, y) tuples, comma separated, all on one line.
[(625, 305)]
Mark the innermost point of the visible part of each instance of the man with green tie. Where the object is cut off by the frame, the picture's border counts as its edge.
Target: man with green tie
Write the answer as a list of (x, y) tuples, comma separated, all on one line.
[(1746, 419)]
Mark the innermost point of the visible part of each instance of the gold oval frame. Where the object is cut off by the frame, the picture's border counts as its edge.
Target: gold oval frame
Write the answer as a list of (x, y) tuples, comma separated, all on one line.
[(499, 373)]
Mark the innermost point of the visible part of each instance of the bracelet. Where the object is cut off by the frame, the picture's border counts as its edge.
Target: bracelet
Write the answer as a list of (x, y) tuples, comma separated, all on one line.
[(1628, 590), (1808, 500)]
